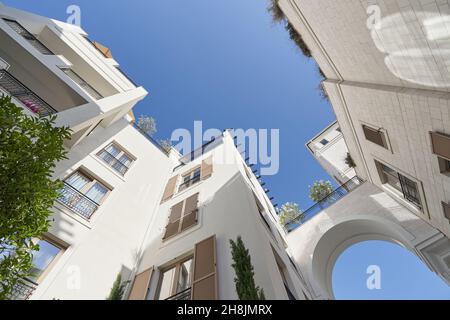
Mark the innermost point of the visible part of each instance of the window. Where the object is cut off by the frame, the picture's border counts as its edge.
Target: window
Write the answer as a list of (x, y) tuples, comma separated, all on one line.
[(446, 207), (83, 194), (406, 186), (175, 282), (82, 83), (441, 147), (324, 142), (183, 215), (375, 136), (444, 165), (43, 260), (116, 158), (19, 29), (190, 179)]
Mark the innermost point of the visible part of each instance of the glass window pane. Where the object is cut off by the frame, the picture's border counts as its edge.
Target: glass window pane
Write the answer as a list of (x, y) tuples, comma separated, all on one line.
[(97, 192), (167, 281), (42, 258), (185, 276), (77, 180)]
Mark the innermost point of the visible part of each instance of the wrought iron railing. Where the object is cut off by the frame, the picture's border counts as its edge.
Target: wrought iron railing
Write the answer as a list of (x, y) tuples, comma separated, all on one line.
[(186, 184), (114, 162), (18, 28), (23, 290), (29, 99), (182, 295), (326, 202), (77, 201)]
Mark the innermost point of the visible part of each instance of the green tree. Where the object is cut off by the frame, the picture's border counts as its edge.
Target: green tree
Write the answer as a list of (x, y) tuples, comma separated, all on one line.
[(288, 212), (320, 190), (117, 289), (244, 279), (147, 124), (29, 149)]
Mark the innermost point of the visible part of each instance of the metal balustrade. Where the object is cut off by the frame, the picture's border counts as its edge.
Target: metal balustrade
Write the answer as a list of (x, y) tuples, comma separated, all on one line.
[(326, 202), (23, 290), (19, 29), (77, 201), (182, 295), (29, 99)]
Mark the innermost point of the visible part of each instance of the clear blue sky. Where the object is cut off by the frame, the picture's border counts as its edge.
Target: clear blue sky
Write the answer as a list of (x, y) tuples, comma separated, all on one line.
[(225, 63)]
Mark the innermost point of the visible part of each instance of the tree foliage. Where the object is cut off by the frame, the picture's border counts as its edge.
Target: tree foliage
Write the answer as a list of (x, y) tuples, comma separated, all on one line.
[(117, 289), (29, 149), (275, 11), (320, 190), (244, 279), (147, 124), (288, 212)]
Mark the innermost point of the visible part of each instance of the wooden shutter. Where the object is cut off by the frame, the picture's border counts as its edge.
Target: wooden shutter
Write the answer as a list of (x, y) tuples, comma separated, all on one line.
[(169, 191), (204, 284), (446, 207), (184, 213), (190, 212), (140, 285), (375, 136), (173, 225), (207, 168), (441, 144)]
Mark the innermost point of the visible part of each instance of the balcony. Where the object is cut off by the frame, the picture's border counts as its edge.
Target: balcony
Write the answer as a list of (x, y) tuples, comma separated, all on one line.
[(19, 29), (28, 98), (23, 290), (77, 202), (182, 295), (326, 202)]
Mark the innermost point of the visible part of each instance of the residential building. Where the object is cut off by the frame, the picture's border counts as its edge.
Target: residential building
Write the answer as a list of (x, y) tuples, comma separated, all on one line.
[(161, 220), (386, 68)]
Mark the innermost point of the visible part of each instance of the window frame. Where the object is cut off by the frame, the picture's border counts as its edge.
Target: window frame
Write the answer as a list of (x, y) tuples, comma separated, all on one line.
[(89, 185), (61, 245), (384, 135), (122, 152), (191, 174), (177, 265), (422, 206)]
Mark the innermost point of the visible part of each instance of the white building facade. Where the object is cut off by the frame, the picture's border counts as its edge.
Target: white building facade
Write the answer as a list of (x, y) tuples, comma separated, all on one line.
[(128, 206)]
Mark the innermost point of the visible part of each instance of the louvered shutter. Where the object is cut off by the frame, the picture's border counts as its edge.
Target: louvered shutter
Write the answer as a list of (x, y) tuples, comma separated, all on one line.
[(140, 285), (207, 168), (204, 285), (441, 144), (169, 191)]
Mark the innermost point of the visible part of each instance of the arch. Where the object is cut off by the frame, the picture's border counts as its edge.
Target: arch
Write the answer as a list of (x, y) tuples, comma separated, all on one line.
[(334, 241)]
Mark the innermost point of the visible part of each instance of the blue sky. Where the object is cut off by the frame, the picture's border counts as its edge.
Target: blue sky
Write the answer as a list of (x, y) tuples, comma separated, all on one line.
[(225, 63)]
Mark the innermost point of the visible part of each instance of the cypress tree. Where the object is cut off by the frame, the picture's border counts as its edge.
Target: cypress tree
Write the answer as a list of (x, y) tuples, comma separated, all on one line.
[(117, 289), (244, 279)]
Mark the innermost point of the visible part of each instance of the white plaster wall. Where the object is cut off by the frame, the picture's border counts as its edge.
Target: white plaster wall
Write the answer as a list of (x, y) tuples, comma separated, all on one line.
[(110, 242), (227, 209)]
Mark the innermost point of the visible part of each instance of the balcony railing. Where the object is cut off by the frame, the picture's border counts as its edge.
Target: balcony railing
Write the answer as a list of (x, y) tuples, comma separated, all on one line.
[(29, 99), (182, 295), (326, 202), (77, 202), (23, 290), (115, 163), (18, 28)]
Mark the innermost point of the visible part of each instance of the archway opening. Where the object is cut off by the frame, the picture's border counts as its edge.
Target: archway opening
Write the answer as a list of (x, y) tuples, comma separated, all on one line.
[(384, 270)]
